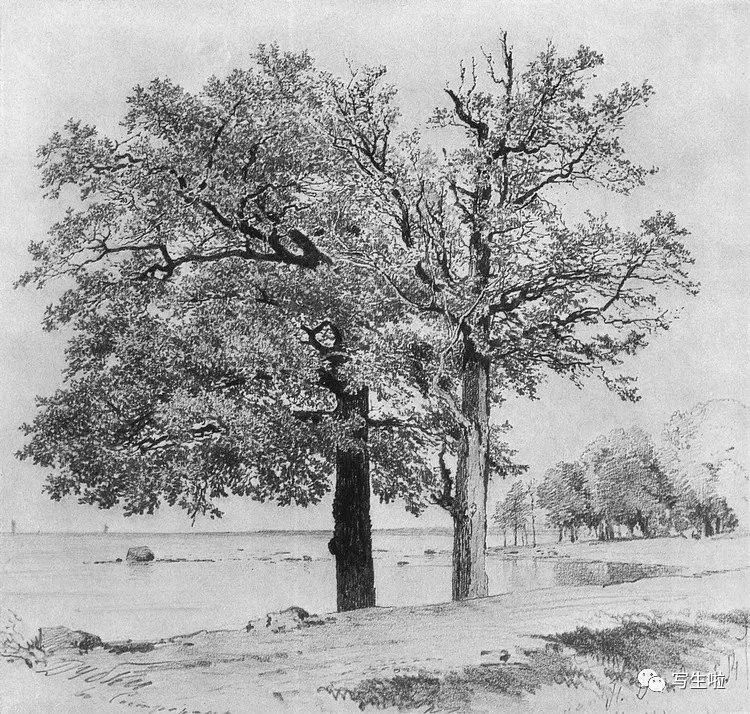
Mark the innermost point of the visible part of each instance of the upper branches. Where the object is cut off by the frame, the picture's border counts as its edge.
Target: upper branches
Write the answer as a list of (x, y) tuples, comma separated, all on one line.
[(536, 129), (230, 173), (479, 250)]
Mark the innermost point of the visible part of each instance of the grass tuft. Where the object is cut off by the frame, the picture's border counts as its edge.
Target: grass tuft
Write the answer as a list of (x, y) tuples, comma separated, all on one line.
[(636, 643), (430, 692), (648, 643)]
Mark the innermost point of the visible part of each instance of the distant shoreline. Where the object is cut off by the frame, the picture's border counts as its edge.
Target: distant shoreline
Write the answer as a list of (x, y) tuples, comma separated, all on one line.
[(433, 530)]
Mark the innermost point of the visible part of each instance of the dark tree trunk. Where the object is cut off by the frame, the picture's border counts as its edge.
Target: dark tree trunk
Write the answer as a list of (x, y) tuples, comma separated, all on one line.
[(472, 476), (515, 537), (351, 544), (560, 535), (603, 530), (707, 527), (606, 530), (643, 525)]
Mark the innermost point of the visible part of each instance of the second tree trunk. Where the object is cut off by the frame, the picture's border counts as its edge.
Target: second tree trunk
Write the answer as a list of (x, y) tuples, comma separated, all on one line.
[(472, 478)]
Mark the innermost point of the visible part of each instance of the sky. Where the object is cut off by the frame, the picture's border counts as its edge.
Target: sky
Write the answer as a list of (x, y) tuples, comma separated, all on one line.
[(65, 58)]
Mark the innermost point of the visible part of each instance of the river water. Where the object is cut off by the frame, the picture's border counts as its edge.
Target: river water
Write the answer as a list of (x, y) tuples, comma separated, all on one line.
[(227, 579)]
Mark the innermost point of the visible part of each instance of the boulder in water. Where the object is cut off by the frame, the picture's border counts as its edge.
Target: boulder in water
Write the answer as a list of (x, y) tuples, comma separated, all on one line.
[(139, 554)]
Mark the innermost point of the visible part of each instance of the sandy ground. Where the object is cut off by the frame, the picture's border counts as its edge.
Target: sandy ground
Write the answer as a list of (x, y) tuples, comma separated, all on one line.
[(262, 671), (724, 552)]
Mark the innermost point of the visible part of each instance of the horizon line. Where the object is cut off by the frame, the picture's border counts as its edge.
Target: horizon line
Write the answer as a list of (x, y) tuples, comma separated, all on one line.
[(197, 532)]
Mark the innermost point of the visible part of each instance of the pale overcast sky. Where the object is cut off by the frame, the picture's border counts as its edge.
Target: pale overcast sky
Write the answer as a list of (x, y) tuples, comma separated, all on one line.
[(65, 58)]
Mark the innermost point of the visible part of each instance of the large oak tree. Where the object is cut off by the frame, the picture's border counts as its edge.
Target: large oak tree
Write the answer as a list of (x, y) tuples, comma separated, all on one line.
[(219, 346)]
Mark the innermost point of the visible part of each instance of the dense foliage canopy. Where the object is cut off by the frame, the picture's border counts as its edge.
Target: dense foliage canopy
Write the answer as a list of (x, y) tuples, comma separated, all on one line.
[(214, 324)]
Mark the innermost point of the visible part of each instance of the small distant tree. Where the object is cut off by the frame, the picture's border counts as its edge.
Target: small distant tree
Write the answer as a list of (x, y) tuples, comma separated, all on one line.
[(703, 453), (564, 493), (700, 508), (628, 484), (532, 511), (513, 511)]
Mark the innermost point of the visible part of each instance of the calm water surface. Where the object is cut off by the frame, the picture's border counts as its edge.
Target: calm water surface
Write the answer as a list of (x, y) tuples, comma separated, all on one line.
[(51, 579)]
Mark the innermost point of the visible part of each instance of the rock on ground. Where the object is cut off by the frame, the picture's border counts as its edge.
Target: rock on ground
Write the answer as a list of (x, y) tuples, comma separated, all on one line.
[(293, 618), (54, 639)]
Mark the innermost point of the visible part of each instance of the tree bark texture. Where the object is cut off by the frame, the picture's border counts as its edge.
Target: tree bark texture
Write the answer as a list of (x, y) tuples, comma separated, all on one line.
[(472, 477), (351, 544)]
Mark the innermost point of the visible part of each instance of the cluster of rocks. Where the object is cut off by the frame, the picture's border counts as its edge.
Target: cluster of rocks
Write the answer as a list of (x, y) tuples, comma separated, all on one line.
[(144, 554), (293, 618), (18, 642)]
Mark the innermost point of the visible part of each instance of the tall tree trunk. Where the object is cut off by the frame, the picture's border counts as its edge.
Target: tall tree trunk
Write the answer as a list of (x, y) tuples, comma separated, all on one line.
[(515, 536), (351, 544), (643, 524), (472, 476)]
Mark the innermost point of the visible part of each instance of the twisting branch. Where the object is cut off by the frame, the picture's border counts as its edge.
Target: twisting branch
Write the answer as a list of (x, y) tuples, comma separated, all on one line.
[(445, 498), (463, 112)]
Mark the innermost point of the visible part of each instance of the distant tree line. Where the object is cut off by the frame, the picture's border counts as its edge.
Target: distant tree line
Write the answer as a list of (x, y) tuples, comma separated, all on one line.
[(623, 483)]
